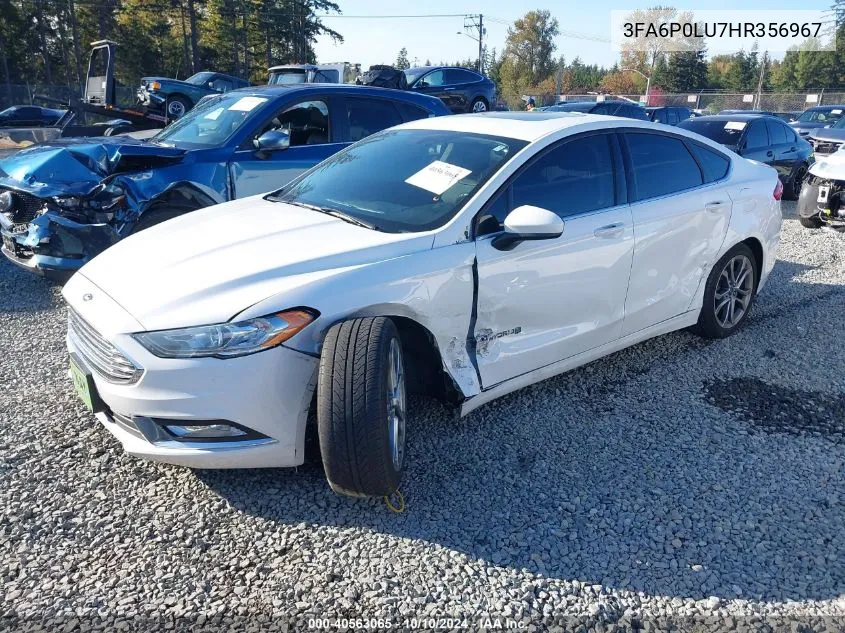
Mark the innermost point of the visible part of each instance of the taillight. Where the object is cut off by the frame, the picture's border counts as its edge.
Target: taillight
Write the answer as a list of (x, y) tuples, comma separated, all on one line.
[(778, 193)]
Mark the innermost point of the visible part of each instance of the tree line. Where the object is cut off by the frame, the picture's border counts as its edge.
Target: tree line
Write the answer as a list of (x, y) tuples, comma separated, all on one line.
[(47, 41)]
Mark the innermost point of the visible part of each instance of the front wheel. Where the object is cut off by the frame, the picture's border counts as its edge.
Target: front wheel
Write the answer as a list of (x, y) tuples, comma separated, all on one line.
[(177, 107), (729, 293), (361, 407), (792, 188)]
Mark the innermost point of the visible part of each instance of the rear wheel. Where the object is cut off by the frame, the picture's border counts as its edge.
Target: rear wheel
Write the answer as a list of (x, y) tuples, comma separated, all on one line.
[(811, 223), (729, 293), (159, 213), (361, 407), (479, 104), (792, 190)]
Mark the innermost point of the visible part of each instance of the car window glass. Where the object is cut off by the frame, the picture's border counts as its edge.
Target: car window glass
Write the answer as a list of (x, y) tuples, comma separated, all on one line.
[(573, 178), (777, 132), (661, 165), (222, 85), (672, 117), (660, 116), (410, 112), (307, 123), (756, 136), (714, 165), (460, 76), (368, 116), (493, 217), (434, 78)]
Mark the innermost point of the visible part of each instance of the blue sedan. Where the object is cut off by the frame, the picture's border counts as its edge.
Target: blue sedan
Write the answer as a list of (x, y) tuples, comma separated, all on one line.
[(63, 202)]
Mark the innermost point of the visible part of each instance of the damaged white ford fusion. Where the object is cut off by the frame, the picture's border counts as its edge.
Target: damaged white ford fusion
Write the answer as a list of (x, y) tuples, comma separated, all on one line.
[(465, 256)]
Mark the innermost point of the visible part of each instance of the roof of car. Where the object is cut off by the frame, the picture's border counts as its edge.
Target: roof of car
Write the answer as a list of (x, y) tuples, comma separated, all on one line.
[(735, 117), (431, 103), (826, 107), (527, 126), (428, 68)]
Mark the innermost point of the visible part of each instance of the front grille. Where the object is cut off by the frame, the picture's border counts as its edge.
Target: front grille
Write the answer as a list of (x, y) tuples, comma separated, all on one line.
[(101, 356), (825, 147), (25, 207)]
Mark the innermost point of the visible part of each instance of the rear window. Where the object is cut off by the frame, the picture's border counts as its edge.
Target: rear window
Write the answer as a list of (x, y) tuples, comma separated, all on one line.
[(661, 164), (584, 106), (411, 112), (722, 131), (714, 164)]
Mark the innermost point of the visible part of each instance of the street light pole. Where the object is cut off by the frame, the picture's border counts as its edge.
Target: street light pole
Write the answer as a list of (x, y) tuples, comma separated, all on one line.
[(644, 76)]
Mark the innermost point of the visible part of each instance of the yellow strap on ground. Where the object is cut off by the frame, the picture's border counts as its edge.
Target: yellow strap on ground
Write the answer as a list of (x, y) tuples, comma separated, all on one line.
[(397, 508)]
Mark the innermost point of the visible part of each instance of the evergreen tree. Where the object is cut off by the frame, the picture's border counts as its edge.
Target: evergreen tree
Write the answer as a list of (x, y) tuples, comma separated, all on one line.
[(402, 60)]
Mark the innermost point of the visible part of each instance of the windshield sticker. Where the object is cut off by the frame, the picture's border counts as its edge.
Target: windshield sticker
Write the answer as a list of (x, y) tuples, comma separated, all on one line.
[(735, 125), (214, 114), (438, 176), (245, 104)]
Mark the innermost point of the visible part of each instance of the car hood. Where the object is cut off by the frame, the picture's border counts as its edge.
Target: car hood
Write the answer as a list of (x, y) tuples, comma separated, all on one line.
[(210, 265), (74, 166), (828, 134), (803, 126), (830, 167)]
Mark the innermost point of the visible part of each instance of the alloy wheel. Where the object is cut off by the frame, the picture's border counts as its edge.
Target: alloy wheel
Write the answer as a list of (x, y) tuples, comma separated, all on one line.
[(396, 404), (176, 109), (798, 180), (733, 291), (479, 106)]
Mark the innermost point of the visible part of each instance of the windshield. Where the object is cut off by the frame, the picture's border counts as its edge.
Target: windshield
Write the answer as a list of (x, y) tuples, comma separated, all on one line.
[(402, 180), (199, 79), (212, 121), (572, 107), (820, 116), (412, 74), (719, 130), (288, 77)]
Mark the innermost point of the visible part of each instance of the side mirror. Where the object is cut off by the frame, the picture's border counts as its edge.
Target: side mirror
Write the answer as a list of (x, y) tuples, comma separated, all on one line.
[(528, 223), (272, 140)]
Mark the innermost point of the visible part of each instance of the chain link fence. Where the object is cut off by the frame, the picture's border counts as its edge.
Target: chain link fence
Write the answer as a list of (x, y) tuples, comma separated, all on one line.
[(713, 102), (23, 94)]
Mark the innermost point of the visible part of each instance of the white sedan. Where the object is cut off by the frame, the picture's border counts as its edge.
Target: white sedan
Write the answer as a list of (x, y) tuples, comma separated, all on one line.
[(467, 256)]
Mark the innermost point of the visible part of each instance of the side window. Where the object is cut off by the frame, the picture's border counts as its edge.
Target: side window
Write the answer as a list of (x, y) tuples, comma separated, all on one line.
[(223, 85), (673, 116), (411, 112), (306, 122), (777, 132), (660, 116), (604, 108), (460, 76), (661, 165), (756, 135), (790, 135), (573, 178), (368, 116), (714, 165), (434, 78), (494, 215), (683, 113)]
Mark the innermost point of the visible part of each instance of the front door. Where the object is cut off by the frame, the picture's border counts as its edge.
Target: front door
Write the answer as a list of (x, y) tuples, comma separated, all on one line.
[(315, 134), (437, 85), (547, 300)]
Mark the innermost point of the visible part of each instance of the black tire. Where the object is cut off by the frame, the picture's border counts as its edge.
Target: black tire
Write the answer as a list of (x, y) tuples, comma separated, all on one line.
[(479, 104), (710, 324), (353, 407), (811, 223), (792, 187), (176, 106), (157, 215)]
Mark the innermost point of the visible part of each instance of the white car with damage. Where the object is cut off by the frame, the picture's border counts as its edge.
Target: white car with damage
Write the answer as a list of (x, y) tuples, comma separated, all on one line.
[(467, 256)]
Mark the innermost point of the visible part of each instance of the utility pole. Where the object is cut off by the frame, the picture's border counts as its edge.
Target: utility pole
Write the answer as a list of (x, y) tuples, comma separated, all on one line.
[(763, 63), (476, 23)]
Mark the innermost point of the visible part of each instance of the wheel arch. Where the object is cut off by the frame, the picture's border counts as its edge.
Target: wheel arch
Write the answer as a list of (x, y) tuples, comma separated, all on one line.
[(756, 247)]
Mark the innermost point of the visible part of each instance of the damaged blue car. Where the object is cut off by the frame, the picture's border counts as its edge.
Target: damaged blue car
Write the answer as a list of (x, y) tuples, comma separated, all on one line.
[(65, 201)]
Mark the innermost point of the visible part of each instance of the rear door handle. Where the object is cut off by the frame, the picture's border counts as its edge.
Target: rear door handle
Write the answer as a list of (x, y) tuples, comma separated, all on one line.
[(770, 153), (715, 205), (610, 230)]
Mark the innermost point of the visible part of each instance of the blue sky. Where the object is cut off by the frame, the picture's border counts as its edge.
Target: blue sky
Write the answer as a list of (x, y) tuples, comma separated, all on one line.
[(373, 41)]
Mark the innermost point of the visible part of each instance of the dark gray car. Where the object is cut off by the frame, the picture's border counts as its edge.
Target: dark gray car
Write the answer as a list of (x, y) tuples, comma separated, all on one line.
[(818, 117), (461, 89)]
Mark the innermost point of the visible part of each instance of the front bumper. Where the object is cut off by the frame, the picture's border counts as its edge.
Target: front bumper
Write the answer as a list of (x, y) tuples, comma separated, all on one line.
[(54, 246), (149, 99), (269, 392)]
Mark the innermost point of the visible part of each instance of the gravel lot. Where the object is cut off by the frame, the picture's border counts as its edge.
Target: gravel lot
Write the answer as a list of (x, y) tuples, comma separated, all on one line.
[(678, 481)]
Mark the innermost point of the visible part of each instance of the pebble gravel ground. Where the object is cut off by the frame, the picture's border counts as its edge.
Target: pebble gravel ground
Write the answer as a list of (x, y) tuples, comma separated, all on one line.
[(681, 484)]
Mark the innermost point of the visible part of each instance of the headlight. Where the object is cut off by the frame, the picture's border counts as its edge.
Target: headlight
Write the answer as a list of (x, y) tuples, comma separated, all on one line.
[(154, 85), (6, 201), (103, 198), (227, 340)]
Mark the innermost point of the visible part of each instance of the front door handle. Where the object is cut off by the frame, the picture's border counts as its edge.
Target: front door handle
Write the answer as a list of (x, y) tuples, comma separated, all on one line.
[(610, 230), (714, 206), (770, 153)]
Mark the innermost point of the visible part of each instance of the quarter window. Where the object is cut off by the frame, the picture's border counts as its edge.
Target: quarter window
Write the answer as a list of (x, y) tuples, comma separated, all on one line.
[(713, 164), (575, 178), (661, 165), (460, 76), (411, 112), (777, 132), (673, 117), (368, 116)]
